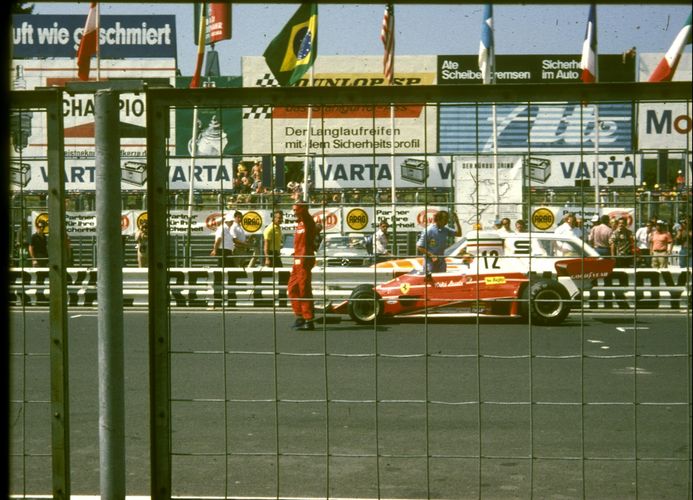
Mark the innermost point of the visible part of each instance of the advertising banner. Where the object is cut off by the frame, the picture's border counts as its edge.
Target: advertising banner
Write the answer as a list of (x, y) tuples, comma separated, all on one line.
[(536, 127), (665, 125), (582, 170), (121, 36), (219, 129), (28, 128), (368, 172), (341, 128), (522, 68), (80, 174), (218, 22), (542, 127), (341, 219), (548, 218)]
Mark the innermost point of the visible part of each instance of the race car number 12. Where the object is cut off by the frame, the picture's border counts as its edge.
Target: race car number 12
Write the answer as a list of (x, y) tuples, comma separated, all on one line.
[(493, 255)]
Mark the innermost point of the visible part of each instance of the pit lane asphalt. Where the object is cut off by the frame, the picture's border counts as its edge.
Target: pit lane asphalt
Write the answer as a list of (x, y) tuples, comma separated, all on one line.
[(582, 385)]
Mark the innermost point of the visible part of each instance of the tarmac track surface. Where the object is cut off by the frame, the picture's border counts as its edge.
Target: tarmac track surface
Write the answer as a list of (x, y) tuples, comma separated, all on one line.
[(271, 438)]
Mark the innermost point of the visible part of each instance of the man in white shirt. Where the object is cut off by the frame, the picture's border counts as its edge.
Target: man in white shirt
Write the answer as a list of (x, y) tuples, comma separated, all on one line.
[(570, 226), (241, 249), (642, 242), (380, 243), (223, 242)]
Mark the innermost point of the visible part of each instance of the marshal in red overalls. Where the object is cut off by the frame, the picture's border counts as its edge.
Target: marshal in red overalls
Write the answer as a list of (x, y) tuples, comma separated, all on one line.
[(300, 289)]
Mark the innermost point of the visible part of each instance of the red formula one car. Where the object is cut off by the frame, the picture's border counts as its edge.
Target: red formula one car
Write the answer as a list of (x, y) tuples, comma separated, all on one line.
[(501, 285)]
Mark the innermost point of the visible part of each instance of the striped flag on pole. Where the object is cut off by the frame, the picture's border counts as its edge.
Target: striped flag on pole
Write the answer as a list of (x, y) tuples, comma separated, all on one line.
[(487, 49), (88, 45), (666, 68), (387, 35), (588, 63), (201, 34)]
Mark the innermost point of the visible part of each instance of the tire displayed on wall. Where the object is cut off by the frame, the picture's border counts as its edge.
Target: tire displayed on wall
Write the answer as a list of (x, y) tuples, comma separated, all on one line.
[(545, 302), (365, 305)]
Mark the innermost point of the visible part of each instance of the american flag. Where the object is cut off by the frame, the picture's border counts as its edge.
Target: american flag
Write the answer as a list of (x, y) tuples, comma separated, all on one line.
[(387, 35)]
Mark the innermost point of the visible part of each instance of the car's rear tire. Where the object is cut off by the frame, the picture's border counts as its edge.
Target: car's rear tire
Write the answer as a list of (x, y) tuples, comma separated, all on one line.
[(545, 302), (365, 305)]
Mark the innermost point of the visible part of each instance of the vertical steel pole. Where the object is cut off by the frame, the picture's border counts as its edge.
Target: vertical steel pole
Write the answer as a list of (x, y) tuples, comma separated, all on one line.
[(110, 296), (159, 334), (57, 263)]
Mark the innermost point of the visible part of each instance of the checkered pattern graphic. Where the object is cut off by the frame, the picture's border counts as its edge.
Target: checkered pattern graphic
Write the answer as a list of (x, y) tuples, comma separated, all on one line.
[(261, 112)]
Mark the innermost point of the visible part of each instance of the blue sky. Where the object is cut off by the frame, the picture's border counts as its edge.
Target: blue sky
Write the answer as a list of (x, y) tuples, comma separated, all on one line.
[(421, 29)]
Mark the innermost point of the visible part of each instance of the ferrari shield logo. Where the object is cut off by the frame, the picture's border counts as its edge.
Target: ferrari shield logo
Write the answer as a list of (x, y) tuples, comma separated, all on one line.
[(404, 288)]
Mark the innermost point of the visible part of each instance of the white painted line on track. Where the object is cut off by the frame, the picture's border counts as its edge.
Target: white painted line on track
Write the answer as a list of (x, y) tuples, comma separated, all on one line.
[(146, 497)]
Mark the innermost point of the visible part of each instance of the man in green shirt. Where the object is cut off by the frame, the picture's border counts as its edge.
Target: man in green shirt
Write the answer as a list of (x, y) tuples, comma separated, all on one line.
[(273, 240)]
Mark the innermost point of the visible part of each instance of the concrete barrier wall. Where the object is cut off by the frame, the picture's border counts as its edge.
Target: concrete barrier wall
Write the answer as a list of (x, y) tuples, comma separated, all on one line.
[(265, 287)]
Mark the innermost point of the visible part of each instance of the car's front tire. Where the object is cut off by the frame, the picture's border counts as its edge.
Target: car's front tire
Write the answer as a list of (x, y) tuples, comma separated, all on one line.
[(545, 302), (365, 305)]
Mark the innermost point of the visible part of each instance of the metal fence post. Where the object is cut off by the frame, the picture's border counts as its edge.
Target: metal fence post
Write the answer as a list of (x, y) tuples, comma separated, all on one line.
[(159, 334), (110, 296), (57, 263)]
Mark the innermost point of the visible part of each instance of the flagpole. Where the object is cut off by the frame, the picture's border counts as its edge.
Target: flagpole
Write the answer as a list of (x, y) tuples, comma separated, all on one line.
[(596, 154), (393, 187), (309, 124), (387, 36), (98, 43), (195, 127), (596, 118)]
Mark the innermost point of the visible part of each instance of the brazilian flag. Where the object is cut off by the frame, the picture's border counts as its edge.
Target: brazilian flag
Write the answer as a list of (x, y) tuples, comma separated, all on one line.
[(295, 48)]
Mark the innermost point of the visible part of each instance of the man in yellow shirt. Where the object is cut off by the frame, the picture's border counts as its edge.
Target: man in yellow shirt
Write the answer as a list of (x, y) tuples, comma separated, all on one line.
[(273, 240)]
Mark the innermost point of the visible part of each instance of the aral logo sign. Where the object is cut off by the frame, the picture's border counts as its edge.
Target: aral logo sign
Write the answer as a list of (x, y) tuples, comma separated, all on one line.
[(543, 218), (664, 126)]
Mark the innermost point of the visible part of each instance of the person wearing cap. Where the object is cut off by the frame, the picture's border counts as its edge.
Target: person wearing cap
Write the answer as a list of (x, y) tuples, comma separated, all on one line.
[(661, 244), (300, 287), (223, 242), (38, 245), (599, 235)]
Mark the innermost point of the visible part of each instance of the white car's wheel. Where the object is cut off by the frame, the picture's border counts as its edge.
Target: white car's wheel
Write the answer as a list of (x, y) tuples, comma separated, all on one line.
[(365, 305), (546, 302)]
